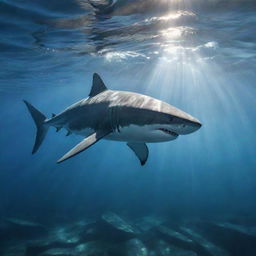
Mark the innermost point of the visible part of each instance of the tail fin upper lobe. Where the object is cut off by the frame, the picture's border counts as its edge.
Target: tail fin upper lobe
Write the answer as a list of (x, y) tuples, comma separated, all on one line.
[(39, 119)]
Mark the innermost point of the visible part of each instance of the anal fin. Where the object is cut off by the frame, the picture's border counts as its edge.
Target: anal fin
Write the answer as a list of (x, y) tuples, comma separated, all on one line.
[(140, 149), (84, 144)]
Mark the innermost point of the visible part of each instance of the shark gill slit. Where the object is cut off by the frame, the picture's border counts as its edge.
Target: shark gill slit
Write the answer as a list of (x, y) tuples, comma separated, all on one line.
[(114, 119), (117, 119), (111, 119)]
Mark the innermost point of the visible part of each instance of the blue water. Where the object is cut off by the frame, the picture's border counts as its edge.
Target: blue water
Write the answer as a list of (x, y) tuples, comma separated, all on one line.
[(199, 56)]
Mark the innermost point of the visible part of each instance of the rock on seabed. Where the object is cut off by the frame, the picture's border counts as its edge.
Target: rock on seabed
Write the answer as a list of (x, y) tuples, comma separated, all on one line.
[(113, 235)]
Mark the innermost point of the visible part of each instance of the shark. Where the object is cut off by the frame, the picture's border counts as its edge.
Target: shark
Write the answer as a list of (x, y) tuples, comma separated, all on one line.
[(124, 116)]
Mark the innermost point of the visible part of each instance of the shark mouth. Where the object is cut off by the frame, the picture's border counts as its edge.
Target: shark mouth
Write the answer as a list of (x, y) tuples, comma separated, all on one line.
[(168, 132)]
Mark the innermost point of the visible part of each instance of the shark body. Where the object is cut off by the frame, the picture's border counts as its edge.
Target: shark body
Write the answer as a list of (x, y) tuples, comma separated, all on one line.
[(116, 115)]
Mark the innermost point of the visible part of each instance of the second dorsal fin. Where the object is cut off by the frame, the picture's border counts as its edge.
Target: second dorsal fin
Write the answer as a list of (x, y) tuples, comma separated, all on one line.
[(98, 85)]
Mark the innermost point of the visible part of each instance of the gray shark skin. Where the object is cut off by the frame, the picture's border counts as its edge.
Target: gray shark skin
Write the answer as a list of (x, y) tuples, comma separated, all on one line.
[(116, 115)]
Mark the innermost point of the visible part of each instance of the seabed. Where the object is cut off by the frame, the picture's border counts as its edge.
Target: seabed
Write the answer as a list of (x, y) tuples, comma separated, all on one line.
[(115, 235)]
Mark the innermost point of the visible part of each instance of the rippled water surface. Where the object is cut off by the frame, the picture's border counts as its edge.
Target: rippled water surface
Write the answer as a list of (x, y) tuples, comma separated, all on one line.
[(197, 55)]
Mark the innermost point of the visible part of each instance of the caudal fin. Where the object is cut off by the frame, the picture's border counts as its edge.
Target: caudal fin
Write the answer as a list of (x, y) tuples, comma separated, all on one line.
[(39, 119)]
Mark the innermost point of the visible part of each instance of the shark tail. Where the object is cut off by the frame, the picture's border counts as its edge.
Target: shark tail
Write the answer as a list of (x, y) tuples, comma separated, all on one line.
[(42, 129)]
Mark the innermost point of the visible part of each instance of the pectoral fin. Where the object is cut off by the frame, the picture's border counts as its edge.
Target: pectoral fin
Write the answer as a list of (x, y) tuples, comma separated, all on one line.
[(140, 150), (84, 144)]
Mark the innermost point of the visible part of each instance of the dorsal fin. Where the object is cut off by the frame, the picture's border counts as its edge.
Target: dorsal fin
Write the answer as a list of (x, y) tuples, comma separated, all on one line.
[(98, 85)]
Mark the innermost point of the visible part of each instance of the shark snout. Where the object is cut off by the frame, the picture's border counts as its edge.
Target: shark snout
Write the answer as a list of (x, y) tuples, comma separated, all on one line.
[(182, 126), (195, 123), (190, 127), (198, 125)]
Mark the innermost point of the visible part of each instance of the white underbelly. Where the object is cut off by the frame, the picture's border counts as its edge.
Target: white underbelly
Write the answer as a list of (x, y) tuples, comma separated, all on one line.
[(134, 133)]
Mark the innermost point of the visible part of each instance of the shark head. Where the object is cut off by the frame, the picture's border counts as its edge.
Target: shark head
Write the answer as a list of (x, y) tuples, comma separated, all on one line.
[(170, 127), (174, 122), (177, 121), (151, 126), (143, 118), (177, 126)]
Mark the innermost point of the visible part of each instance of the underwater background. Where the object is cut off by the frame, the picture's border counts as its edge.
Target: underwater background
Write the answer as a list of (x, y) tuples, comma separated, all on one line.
[(198, 55)]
